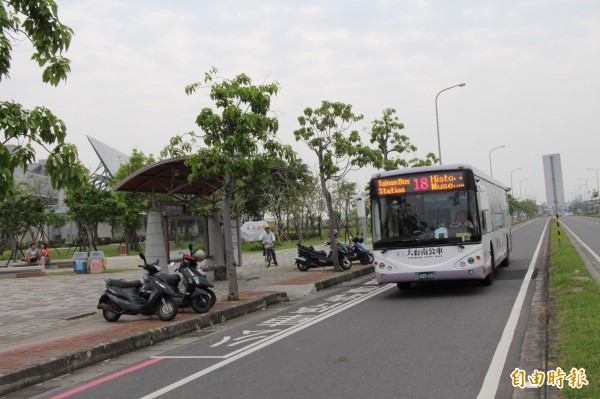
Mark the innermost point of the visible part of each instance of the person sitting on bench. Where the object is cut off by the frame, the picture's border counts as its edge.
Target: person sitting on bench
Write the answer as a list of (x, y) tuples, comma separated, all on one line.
[(32, 254), (44, 255)]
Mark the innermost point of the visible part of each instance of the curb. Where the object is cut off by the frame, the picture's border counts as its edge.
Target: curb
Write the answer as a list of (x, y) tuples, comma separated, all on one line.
[(304, 289), (68, 363), (55, 367), (342, 278)]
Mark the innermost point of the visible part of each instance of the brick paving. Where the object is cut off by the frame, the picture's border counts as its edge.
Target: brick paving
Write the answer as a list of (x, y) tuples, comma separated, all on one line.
[(43, 319)]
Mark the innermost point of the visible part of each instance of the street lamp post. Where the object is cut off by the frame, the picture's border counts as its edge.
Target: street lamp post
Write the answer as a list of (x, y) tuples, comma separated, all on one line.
[(437, 120), (580, 192), (511, 181), (586, 185), (597, 184), (521, 188), (490, 155)]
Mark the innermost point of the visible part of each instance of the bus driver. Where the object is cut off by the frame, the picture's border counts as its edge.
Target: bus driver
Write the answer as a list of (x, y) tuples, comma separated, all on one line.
[(460, 219)]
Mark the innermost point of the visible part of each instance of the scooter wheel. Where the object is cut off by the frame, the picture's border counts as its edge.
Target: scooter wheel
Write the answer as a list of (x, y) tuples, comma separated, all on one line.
[(213, 296), (201, 303), (345, 263), (110, 316), (302, 266), (167, 309), (367, 259)]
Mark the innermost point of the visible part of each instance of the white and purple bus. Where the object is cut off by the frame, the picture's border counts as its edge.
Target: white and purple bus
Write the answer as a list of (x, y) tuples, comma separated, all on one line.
[(442, 222)]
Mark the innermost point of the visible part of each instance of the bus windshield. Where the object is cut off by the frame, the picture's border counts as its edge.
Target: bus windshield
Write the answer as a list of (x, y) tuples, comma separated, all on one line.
[(425, 218)]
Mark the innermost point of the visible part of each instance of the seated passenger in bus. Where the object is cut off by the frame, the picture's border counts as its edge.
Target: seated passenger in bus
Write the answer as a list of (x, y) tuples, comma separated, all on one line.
[(460, 220)]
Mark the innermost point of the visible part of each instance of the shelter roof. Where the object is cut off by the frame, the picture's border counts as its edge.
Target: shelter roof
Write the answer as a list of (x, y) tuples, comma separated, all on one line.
[(168, 176)]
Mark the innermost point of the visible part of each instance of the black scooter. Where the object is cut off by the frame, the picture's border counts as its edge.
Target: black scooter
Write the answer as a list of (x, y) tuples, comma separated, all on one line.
[(309, 257), (358, 251), (147, 296), (197, 293)]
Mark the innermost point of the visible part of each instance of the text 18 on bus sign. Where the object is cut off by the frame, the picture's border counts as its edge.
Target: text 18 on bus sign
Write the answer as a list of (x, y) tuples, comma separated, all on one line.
[(421, 183)]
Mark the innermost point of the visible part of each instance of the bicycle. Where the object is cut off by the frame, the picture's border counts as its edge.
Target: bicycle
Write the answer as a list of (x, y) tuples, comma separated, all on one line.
[(268, 254)]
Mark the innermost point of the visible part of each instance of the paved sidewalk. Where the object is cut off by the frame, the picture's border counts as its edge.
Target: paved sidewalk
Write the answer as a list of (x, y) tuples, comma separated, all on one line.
[(50, 326)]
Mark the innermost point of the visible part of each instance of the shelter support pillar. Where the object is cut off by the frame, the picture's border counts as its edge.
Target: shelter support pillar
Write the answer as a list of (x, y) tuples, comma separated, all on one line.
[(155, 241)]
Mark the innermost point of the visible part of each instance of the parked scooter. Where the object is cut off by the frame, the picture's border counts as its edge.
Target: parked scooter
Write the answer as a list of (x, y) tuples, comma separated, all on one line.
[(358, 251), (147, 296), (309, 257), (197, 293)]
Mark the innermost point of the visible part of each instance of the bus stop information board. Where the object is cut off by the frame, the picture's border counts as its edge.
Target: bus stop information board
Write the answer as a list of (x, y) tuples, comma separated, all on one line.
[(421, 183)]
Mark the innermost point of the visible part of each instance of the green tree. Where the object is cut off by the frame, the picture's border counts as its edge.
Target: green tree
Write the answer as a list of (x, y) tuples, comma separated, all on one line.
[(37, 21), (282, 190), (327, 132), (240, 142), (88, 206), (530, 208), (19, 213), (344, 194), (131, 205), (393, 145), (56, 220), (513, 205)]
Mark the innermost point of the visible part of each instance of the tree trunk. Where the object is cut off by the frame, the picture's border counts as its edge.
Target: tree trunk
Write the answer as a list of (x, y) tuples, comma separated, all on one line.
[(14, 244), (233, 294), (331, 213)]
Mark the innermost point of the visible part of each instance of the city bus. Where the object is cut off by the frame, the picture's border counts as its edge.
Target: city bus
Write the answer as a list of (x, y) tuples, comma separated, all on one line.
[(442, 222)]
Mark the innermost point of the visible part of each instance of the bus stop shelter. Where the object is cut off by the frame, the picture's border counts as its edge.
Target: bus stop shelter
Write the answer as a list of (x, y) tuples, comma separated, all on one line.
[(166, 182)]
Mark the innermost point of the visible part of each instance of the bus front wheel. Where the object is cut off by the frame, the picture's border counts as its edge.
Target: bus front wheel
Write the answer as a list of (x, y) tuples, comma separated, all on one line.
[(489, 279)]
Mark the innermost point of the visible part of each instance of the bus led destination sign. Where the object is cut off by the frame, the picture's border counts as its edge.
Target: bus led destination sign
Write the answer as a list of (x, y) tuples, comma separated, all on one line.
[(438, 181)]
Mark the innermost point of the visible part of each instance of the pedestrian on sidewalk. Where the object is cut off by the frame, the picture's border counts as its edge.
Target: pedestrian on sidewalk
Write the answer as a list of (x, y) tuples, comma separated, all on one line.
[(268, 242)]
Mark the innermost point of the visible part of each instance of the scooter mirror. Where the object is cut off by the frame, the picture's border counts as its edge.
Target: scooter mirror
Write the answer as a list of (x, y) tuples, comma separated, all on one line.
[(190, 247), (143, 257)]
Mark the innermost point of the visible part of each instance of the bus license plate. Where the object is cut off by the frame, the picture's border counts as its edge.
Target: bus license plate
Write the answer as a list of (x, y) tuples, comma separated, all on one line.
[(426, 276)]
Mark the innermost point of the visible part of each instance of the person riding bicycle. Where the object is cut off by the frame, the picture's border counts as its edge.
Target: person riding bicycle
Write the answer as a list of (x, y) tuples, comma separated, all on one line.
[(268, 241)]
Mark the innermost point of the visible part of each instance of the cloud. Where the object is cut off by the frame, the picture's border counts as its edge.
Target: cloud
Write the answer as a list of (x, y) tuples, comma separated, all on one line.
[(530, 69)]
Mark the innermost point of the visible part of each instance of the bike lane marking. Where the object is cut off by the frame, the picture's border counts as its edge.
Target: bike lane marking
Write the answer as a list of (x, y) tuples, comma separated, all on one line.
[(492, 377), (105, 379), (269, 328), (263, 343)]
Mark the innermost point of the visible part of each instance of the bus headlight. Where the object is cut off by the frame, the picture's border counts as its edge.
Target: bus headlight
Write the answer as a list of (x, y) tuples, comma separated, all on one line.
[(471, 261), (382, 265)]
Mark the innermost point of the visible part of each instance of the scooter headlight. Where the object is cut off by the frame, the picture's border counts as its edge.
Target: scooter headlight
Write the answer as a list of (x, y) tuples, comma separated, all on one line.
[(197, 280)]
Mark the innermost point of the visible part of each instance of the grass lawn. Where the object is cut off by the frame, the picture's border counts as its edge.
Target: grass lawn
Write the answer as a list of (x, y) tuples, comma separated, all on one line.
[(62, 254), (575, 295)]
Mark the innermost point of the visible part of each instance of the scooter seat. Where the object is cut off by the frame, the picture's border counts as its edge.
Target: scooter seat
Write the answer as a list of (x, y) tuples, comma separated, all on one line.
[(124, 283), (171, 279)]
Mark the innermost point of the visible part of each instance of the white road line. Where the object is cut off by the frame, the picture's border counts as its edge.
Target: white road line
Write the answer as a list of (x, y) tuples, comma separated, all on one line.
[(591, 268), (492, 378), (262, 344), (590, 250)]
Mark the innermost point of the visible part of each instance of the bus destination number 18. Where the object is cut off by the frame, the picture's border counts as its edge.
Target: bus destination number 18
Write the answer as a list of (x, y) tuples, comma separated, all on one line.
[(421, 183)]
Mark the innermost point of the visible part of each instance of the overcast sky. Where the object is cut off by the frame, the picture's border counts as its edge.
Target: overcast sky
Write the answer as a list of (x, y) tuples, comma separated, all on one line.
[(531, 69)]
